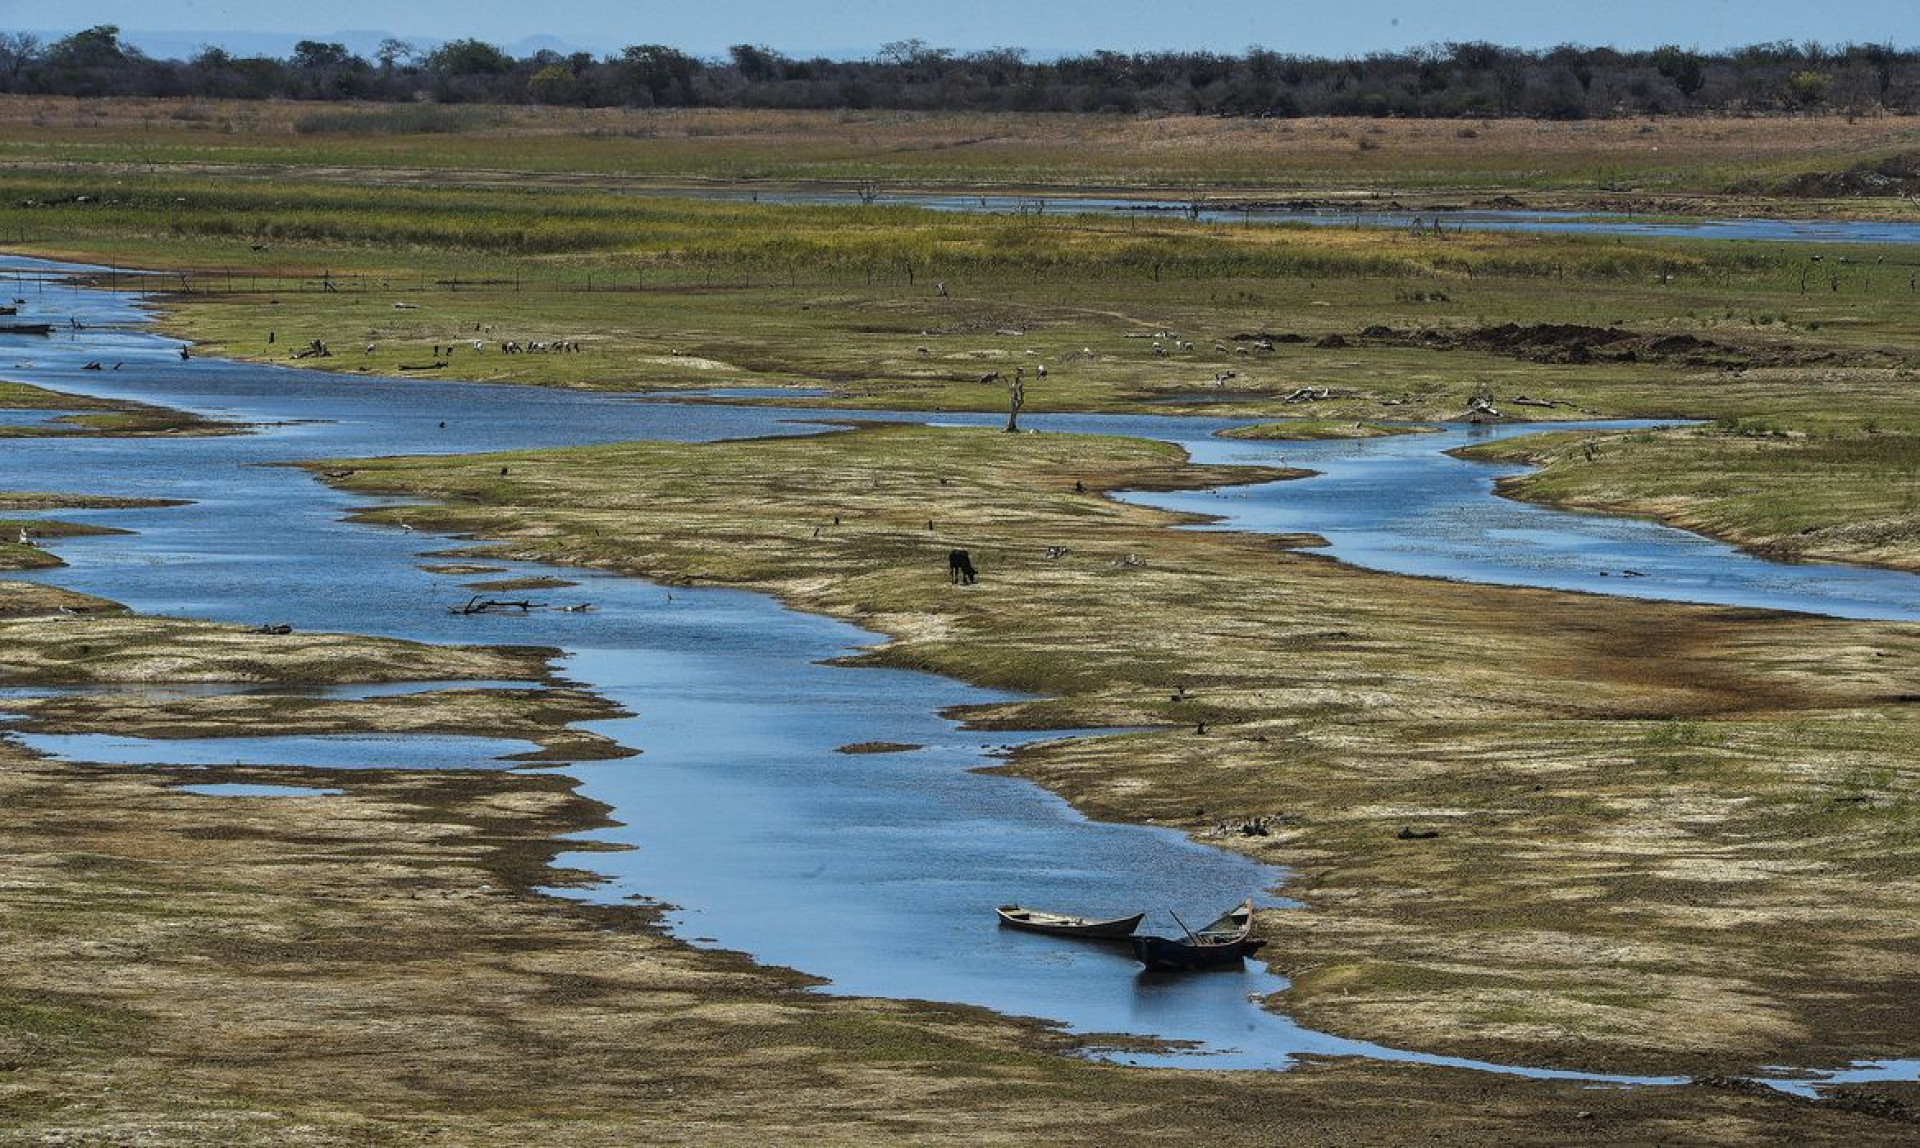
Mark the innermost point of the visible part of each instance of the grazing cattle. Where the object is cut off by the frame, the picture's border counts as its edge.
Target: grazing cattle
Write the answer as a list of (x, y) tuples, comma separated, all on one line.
[(960, 568)]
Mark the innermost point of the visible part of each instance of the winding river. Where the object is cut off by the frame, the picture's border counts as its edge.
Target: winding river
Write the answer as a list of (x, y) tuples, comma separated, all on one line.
[(739, 813)]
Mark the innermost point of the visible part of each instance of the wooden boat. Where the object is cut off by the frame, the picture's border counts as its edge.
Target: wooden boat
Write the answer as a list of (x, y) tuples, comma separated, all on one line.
[(1223, 942), (26, 328), (1061, 925)]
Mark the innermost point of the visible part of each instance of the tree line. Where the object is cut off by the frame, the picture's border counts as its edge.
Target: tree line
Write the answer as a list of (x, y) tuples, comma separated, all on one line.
[(1436, 81)]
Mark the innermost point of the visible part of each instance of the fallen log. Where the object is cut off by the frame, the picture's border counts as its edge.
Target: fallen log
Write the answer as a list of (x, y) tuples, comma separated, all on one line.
[(479, 605)]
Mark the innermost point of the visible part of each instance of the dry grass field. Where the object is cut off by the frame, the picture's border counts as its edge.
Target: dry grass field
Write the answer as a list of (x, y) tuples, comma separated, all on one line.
[(1171, 154)]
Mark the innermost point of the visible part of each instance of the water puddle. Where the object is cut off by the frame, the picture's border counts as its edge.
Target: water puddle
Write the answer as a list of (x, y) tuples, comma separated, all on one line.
[(1361, 214), (1812, 1084), (314, 751), (239, 789)]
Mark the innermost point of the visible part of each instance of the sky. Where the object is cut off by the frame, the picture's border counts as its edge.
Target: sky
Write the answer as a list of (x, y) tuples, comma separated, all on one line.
[(856, 28)]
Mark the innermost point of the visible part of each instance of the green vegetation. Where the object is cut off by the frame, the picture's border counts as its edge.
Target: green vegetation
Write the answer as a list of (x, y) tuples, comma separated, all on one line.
[(104, 418)]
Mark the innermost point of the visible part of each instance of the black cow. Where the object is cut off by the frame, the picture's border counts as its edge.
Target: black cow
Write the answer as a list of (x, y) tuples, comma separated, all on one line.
[(960, 568)]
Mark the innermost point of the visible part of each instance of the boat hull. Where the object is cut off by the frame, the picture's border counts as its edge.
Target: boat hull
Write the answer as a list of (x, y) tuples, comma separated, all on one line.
[(1221, 944), (1062, 925), (1165, 953)]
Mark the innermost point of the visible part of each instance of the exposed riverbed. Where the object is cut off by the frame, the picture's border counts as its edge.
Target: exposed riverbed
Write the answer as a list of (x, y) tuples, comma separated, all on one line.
[(879, 872)]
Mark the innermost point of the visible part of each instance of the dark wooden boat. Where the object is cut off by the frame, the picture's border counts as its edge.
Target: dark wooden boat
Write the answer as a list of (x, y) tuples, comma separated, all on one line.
[(26, 328), (1062, 925), (1223, 942), (9, 310)]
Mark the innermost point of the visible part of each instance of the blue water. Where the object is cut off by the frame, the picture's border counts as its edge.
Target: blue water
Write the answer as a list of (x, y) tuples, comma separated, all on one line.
[(1390, 504), (741, 816), (1796, 231), (242, 789), (32, 418)]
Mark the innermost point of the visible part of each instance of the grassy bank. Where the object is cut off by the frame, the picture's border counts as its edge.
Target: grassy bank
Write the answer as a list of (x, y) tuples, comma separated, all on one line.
[(1618, 842), (98, 418), (1848, 491)]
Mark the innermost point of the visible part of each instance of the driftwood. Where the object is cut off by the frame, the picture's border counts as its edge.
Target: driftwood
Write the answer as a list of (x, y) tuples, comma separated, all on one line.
[(437, 364), (274, 628), (479, 605)]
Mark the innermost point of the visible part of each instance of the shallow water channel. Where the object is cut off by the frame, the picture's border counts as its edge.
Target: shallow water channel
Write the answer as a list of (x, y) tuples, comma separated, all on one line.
[(879, 872), (1255, 211)]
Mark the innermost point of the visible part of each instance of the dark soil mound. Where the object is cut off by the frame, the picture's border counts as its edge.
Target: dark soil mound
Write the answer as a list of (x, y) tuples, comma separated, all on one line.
[(1883, 178)]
